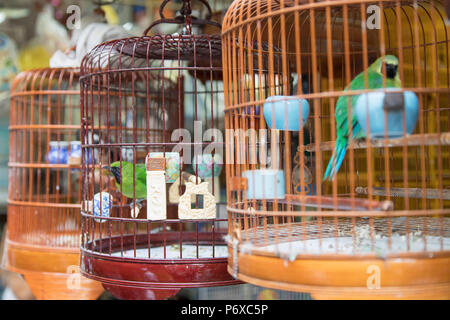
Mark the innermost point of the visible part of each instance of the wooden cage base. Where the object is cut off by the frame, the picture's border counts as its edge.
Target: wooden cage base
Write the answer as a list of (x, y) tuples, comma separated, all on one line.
[(54, 286), (427, 278), (51, 274)]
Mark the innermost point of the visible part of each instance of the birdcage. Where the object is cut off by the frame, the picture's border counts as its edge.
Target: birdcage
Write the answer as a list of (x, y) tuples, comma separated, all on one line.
[(150, 192), (315, 204), (44, 185)]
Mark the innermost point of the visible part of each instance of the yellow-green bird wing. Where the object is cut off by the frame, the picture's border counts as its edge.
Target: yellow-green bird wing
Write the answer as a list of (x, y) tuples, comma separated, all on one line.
[(127, 181)]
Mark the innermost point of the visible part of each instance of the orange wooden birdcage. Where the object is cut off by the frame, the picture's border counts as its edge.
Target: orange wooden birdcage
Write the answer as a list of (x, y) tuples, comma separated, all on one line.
[(318, 205), (44, 196)]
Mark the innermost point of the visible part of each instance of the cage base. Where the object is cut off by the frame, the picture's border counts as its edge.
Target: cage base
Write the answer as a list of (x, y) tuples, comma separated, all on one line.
[(145, 278), (26, 257), (62, 286), (134, 293), (133, 280), (50, 273), (407, 278)]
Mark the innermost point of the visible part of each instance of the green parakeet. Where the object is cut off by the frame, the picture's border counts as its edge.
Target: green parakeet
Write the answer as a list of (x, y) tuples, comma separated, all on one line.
[(126, 177), (375, 81)]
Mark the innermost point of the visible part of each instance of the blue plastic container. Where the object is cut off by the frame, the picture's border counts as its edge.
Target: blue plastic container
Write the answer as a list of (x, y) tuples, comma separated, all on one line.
[(280, 107), (265, 184), (372, 104)]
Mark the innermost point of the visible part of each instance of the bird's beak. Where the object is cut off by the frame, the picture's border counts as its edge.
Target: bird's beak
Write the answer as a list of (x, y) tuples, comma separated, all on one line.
[(391, 70)]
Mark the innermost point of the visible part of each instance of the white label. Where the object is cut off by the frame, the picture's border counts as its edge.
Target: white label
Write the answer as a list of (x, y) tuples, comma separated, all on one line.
[(156, 195)]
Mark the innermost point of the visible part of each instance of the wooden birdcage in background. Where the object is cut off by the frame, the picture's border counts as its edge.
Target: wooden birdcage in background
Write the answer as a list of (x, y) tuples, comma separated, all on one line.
[(151, 94), (44, 185), (380, 228)]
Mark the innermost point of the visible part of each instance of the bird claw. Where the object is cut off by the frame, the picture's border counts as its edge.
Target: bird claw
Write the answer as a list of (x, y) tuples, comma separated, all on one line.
[(135, 207)]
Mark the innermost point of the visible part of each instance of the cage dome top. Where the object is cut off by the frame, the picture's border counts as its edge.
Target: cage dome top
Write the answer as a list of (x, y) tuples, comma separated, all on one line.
[(138, 52)]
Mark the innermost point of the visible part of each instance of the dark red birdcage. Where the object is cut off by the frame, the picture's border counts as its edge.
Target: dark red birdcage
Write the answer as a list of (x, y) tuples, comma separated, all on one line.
[(144, 95), (379, 227), (44, 196)]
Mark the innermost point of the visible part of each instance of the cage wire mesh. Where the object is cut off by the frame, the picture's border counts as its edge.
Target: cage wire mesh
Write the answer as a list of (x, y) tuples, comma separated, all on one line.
[(305, 184), (161, 96)]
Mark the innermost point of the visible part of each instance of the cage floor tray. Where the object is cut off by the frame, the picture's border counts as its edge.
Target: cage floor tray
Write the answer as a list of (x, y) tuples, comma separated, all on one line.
[(189, 251), (327, 237), (330, 260), (350, 246), (50, 272)]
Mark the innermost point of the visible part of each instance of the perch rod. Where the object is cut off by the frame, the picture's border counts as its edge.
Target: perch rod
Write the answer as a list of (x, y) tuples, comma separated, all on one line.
[(341, 203), (416, 193), (429, 139)]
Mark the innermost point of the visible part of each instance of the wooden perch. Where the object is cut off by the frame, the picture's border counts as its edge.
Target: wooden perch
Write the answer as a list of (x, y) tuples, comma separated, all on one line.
[(339, 203), (415, 193), (430, 139)]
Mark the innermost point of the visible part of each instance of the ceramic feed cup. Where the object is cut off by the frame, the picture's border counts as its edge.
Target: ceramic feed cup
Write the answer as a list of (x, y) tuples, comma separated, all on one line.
[(373, 106), (285, 112), (102, 205), (172, 164), (265, 184)]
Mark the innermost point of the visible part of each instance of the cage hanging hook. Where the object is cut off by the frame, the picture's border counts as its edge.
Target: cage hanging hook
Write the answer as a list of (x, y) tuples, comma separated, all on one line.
[(185, 18), (186, 12)]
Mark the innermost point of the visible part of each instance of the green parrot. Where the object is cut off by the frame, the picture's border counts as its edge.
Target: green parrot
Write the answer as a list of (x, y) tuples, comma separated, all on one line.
[(375, 81), (126, 177)]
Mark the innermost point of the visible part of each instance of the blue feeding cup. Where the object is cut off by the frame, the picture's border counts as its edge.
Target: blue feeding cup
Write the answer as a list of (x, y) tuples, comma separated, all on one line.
[(53, 153), (255, 109), (58, 152), (396, 104), (286, 111), (63, 152), (75, 149), (265, 184), (102, 205)]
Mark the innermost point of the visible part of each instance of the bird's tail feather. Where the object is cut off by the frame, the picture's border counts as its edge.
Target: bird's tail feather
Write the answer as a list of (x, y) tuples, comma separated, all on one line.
[(330, 166), (336, 160)]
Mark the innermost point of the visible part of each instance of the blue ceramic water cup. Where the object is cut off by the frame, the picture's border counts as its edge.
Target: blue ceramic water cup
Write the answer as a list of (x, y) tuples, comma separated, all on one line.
[(286, 111), (265, 184), (374, 105)]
